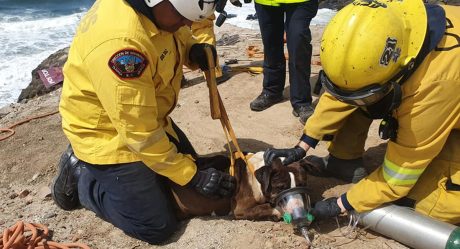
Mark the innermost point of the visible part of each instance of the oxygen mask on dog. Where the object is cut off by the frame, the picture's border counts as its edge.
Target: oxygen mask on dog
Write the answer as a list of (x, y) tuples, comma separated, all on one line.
[(295, 205)]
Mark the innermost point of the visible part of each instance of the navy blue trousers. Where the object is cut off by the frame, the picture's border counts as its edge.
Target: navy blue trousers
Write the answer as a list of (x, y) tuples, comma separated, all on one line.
[(131, 196), (295, 20)]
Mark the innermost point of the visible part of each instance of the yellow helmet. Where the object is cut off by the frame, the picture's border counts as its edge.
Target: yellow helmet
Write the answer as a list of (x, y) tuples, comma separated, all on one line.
[(369, 43)]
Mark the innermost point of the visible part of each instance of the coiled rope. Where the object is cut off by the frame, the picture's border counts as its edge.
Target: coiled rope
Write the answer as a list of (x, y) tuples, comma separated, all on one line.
[(32, 236), (10, 128)]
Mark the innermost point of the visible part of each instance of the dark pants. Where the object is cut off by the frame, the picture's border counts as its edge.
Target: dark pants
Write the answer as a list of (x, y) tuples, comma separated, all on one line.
[(295, 20), (131, 196)]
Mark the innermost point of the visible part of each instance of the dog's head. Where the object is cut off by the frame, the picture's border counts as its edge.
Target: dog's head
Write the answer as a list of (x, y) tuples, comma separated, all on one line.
[(276, 177)]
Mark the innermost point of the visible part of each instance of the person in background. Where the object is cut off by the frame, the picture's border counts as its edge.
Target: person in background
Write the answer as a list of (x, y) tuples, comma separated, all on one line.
[(121, 81), (293, 17), (397, 61)]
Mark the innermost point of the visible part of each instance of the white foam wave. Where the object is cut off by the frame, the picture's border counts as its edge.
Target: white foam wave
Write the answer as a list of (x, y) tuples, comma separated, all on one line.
[(25, 45)]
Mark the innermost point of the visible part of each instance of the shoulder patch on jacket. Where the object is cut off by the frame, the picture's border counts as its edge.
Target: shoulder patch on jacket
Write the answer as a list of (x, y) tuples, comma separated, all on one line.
[(128, 63)]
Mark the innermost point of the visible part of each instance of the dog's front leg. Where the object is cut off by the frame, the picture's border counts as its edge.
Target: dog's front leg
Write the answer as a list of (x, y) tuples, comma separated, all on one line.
[(260, 212)]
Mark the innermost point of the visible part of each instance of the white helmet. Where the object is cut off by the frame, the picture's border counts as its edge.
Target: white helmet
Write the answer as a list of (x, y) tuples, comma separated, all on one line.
[(193, 10)]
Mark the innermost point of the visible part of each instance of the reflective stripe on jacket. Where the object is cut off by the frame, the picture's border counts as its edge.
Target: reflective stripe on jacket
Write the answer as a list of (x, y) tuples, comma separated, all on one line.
[(278, 2), (111, 119)]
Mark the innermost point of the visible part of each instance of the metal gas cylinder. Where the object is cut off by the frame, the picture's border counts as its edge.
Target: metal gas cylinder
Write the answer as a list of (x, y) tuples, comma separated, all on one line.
[(411, 228)]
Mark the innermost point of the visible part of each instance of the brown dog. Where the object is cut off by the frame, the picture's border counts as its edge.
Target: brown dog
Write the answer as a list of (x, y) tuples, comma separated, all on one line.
[(254, 195)]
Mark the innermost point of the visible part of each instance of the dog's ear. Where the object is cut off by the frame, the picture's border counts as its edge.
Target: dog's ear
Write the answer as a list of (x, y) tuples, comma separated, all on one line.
[(263, 176), (299, 172), (277, 164)]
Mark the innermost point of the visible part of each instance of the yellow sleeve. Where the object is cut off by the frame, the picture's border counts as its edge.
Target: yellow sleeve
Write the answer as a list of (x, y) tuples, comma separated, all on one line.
[(203, 31), (185, 35), (329, 116), (132, 107), (425, 122)]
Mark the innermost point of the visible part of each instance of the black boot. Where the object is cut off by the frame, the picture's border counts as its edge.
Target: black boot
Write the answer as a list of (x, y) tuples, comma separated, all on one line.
[(347, 170), (264, 101), (64, 188), (303, 112)]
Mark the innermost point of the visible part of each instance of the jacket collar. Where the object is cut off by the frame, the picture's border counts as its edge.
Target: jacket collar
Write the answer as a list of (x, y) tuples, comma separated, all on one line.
[(147, 15), (436, 24)]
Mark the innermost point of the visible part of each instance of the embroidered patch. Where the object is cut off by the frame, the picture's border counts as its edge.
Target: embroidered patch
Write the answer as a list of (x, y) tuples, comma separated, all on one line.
[(128, 63)]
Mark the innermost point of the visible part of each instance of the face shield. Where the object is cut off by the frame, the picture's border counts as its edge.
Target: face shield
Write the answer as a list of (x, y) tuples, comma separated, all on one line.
[(365, 96)]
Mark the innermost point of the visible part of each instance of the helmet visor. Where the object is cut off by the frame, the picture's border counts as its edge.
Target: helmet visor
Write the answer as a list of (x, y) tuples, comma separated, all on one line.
[(362, 97)]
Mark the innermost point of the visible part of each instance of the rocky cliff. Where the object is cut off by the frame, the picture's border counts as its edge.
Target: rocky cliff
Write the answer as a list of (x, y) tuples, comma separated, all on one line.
[(36, 87)]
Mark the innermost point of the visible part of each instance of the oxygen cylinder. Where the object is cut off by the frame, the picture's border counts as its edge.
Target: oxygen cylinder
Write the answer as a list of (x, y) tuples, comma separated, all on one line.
[(411, 228)]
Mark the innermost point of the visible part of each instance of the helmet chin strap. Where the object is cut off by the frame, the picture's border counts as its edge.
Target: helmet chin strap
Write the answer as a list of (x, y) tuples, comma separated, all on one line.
[(397, 96), (388, 128)]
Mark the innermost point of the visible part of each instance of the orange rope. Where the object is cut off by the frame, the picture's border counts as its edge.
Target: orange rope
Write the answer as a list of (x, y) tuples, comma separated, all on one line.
[(32, 236), (11, 131)]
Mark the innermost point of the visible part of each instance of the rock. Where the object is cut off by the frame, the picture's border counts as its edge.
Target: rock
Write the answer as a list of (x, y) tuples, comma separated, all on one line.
[(75, 238), (34, 177), (44, 192), (24, 193), (5, 110), (29, 200), (36, 87), (50, 215)]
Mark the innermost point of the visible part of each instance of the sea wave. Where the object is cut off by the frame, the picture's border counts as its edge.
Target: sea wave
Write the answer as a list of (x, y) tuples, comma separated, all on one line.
[(31, 31)]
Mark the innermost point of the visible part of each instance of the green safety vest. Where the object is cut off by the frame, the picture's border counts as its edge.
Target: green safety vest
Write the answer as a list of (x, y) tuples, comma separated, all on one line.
[(278, 2)]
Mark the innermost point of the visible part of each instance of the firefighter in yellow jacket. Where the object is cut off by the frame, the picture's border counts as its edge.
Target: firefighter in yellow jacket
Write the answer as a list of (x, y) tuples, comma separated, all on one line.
[(395, 60), (121, 82)]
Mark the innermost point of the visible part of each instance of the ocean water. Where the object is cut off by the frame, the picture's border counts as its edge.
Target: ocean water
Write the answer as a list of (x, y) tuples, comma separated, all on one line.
[(31, 30), (322, 17)]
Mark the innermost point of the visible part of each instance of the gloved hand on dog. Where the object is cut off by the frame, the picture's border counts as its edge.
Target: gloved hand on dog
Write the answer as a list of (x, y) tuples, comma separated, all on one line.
[(290, 155), (213, 183)]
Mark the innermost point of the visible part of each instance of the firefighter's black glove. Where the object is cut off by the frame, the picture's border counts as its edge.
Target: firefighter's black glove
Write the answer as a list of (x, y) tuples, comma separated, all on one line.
[(290, 155), (213, 183), (326, 209), (197, 55)]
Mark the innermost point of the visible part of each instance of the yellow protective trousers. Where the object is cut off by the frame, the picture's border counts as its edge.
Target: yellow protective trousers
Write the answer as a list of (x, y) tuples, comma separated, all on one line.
[(437, 192)]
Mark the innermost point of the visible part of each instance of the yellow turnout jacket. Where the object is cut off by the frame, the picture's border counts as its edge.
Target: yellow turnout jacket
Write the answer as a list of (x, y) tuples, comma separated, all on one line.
[(121, 81), (429, 125)]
